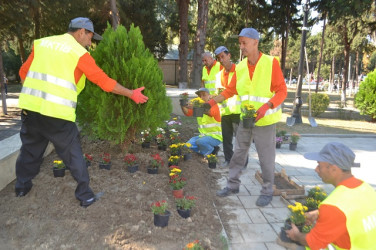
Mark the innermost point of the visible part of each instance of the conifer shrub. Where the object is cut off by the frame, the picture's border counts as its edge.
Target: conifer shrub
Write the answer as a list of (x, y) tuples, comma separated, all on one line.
[(123, 56), (365, 99), (319, 103)]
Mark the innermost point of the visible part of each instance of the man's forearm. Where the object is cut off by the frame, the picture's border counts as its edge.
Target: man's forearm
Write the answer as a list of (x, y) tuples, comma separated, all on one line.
[(121, 90), (219, 98)]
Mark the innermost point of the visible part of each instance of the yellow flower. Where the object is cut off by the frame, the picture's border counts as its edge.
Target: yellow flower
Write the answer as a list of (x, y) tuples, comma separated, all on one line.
[(174, 170), (188, 145)]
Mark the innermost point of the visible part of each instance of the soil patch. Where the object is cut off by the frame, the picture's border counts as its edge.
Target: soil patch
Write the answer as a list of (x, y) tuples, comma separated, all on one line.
[(50, 217)]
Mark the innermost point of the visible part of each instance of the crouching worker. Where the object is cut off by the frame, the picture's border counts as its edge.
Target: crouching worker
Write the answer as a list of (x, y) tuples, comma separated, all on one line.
[(209, 126), (346, 219)]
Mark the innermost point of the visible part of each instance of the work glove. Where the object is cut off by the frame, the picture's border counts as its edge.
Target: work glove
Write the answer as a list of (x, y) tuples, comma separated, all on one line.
[(138, 97), (261, 111)]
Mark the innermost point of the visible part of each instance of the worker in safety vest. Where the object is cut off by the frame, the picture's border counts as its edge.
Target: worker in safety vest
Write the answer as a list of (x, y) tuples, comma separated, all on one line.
[(209, 126), (230, 108), (52, 78), (258, 80), (346, 219), (209, 72)]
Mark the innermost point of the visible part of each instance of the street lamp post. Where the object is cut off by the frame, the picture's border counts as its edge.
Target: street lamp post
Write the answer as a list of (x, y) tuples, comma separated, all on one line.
[(296, 113)]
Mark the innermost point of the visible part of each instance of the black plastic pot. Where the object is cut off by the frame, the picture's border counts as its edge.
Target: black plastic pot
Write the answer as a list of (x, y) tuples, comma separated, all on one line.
[(106, 166), (132, 169), (185, 213), (161, 220), (212, 165), (59, 172), (152, 170)]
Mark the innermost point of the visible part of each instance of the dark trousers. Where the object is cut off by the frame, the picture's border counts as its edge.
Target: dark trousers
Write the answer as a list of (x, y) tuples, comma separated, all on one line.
[(36, 131), (229, 124)]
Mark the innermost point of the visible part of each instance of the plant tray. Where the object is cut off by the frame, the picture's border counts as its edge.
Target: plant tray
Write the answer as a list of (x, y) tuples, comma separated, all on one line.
[(283, 185)]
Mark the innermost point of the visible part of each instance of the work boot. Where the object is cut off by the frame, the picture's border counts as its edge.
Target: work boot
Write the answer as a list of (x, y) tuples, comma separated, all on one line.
[(264, 200), (215, 150), (227, 191)]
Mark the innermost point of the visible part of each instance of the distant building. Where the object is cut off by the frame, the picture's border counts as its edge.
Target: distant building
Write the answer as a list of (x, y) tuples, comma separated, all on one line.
[(170, 65)]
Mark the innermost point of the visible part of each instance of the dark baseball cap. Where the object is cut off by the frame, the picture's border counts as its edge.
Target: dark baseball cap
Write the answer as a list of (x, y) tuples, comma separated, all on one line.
[(335, 153), (202, 90), (85, 23)]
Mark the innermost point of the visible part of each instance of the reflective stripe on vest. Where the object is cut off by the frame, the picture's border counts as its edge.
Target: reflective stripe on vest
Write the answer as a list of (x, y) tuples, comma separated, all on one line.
[(257, 91), (52, 79), (49, 97), (49, 87), (359, 206), (232, 104), (208, 126), (209, 80)]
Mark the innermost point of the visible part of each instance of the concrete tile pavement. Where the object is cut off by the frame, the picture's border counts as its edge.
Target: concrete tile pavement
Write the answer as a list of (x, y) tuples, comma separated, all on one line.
[(257, 228)]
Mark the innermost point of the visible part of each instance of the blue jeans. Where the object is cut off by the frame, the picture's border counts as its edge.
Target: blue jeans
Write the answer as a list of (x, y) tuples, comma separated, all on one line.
[(203, 145)]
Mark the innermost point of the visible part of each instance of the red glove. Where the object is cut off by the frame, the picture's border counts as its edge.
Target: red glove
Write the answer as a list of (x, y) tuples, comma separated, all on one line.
[(261, 111), (138, 97)]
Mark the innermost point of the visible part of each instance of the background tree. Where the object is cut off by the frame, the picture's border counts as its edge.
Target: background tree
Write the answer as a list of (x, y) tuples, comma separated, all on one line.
[(199, 42), (184, 40), (285, 21), (123, 56), (137, 12)]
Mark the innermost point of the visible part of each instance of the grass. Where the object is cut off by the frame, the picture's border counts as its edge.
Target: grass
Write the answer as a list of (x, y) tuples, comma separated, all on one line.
[(327, 125)]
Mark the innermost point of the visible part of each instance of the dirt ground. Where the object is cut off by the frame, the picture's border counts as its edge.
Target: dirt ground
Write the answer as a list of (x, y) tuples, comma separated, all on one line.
[(50, 217)]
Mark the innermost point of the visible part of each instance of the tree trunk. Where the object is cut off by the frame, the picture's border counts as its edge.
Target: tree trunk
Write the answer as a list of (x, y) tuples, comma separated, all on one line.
[(2, 87), (357, 69), (321, 49), (199, 43), (283, 52), (115, 18), (22, 49), (183, 46), (35, 6), (346, 70), (333, 72)]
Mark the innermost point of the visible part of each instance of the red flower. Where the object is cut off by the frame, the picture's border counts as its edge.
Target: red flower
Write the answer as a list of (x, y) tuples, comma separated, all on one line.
[(130, 159)]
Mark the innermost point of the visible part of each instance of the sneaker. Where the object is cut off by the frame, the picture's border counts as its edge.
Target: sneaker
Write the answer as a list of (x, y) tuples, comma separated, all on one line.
[(215, 150), (224, 164), (88, 202), (264, 200), (227, 191)]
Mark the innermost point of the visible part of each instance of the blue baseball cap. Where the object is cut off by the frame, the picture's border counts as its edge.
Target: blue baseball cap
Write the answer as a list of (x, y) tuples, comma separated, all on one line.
[(202, 90), (219, 50), (250, 33), (85, 23), (335, 153)]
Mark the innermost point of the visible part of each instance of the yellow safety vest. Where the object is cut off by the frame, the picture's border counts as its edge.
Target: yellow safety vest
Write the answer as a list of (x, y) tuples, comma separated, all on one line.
[(257, 91), (232, 104), (49, 86), (209, 79), (359, 206), (208, 126)]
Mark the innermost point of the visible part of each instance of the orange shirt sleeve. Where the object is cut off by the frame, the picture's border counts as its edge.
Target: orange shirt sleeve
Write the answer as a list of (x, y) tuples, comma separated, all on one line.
[(231, 88), (26, 66), (278, 85), (214, 112), (330, 228), (86, 65)]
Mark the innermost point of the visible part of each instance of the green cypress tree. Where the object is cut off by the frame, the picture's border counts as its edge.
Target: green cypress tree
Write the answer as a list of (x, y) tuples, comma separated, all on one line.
[(123, 56)]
